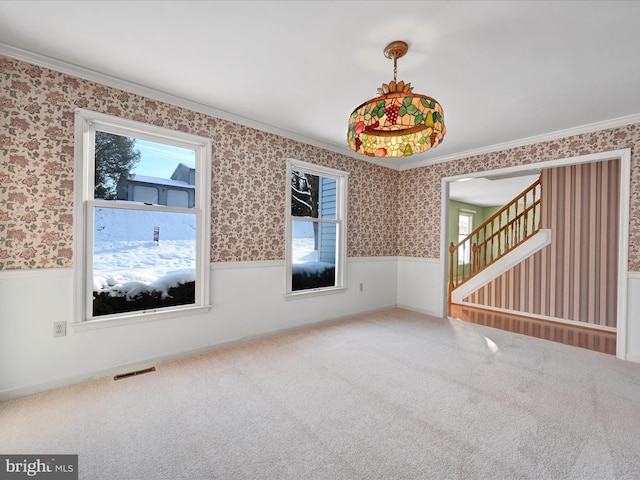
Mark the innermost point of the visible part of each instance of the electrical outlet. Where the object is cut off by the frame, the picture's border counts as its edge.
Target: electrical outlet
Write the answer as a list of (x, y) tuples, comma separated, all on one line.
[(362, 287), (59, 329)]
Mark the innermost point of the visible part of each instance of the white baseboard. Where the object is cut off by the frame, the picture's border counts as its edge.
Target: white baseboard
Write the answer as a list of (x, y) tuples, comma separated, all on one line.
[(22, 391), (632, 358), (431, 313)]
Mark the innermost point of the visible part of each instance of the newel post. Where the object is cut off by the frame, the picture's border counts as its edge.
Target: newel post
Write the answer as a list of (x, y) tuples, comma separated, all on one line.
[(452, 248)]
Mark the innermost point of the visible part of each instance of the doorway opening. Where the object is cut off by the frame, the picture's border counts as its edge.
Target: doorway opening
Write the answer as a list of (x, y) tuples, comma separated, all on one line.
[(621, 277)]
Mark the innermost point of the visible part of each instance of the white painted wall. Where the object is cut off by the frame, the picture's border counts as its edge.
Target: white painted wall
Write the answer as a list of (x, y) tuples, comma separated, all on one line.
[(420, 285), (633, 318), (248, 302)]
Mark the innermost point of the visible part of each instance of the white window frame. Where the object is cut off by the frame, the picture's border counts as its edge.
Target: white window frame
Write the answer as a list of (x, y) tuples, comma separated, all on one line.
[(340, 221), (86, 123), (466, 258)]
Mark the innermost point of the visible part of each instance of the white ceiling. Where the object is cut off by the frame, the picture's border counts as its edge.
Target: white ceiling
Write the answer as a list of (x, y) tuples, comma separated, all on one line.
[(503, 71), (491, 190)]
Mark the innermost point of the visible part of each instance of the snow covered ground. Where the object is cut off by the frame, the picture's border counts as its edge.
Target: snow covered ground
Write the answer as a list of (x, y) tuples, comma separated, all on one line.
[(128, 261)]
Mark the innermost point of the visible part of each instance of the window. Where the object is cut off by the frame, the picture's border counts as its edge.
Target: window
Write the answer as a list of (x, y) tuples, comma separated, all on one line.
[(141, 249), (144, 194), (465, 227), (177, 198), (316, 228)]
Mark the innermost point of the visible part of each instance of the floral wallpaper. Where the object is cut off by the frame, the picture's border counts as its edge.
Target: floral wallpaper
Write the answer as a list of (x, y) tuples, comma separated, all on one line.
[(248, 209), (419, 215)]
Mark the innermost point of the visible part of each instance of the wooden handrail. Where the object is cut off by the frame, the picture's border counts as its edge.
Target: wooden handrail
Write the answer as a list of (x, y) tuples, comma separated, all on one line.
[(488, 242)]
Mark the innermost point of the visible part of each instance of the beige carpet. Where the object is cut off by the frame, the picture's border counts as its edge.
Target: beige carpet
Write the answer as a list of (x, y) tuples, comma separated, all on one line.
[(393, 395)]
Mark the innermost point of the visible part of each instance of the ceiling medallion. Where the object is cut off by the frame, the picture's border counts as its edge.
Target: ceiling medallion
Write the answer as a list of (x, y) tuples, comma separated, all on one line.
[(399, 122)]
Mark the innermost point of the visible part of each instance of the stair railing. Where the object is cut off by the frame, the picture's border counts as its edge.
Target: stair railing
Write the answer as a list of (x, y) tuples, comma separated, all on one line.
[(514, 223)]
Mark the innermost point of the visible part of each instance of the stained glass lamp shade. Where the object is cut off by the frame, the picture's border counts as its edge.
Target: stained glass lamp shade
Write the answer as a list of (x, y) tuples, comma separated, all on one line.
[(398, 123)]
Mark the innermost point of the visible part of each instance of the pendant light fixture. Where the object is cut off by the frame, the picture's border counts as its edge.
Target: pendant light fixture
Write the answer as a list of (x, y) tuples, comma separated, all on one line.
[(398, 123)]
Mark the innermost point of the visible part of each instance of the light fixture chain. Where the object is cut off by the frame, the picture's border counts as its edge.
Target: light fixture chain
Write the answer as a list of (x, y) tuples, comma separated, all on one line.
[(381, 127), (395, 67)]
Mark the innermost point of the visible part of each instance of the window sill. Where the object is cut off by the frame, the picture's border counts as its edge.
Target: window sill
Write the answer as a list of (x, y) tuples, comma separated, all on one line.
[(136, 318), (314, 292)]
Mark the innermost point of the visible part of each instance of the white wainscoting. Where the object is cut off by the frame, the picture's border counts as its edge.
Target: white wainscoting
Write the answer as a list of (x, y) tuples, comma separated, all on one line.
[(421, 286), (633, 318), (248, 303)]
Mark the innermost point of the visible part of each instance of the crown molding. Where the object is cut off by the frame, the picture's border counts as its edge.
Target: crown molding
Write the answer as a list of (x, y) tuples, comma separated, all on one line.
[(159, 95), (131, 87), (545, 137)]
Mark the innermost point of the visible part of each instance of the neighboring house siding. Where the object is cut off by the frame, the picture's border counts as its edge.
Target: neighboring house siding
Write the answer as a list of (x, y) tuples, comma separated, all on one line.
[(327, 232)]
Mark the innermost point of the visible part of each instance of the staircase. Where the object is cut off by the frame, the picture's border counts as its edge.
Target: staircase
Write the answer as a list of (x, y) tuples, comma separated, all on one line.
[(509, 228)]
